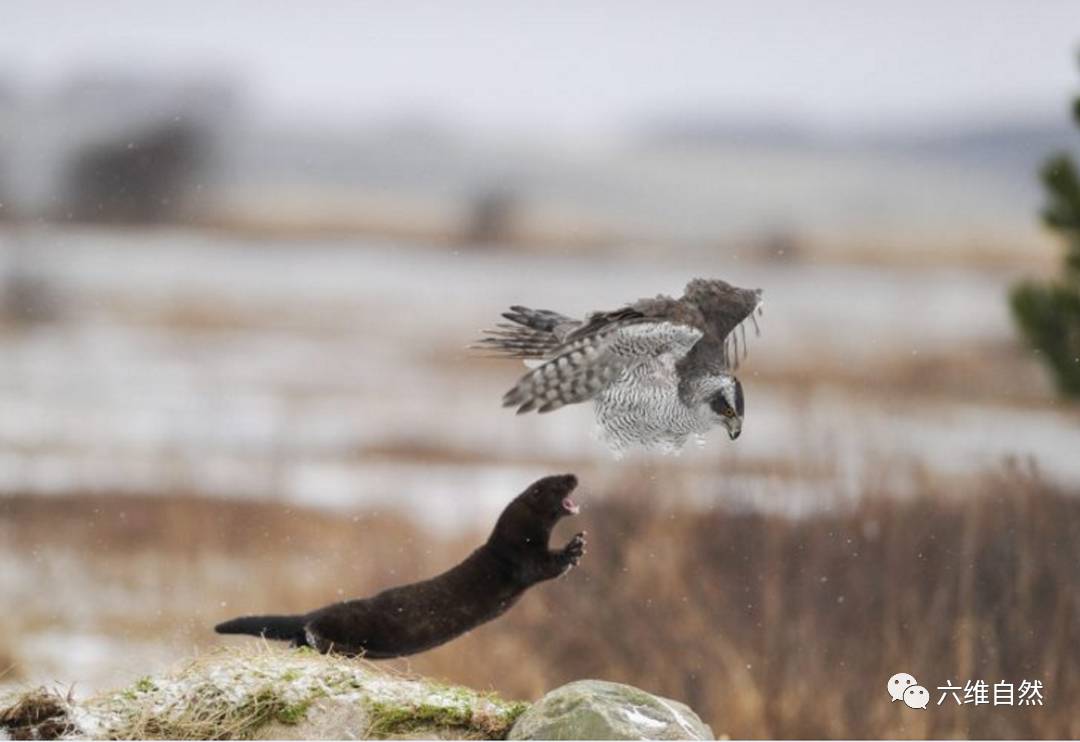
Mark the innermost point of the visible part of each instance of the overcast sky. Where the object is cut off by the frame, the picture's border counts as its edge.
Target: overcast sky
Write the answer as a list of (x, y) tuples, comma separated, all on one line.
[(581, 67)]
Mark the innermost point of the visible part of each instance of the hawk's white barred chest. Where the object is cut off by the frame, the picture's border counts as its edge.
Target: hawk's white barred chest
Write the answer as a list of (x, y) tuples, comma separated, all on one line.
[(642, 405), (640, 408)]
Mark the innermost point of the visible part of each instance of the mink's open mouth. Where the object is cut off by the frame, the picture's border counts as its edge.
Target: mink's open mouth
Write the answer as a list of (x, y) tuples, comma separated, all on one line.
[(570, 506)]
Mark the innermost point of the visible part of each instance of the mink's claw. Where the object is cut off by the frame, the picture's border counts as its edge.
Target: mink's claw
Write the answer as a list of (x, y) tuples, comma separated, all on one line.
[(575, 549)]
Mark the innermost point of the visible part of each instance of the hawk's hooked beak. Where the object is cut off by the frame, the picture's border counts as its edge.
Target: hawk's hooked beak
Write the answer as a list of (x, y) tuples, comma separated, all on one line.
[(734, 427)]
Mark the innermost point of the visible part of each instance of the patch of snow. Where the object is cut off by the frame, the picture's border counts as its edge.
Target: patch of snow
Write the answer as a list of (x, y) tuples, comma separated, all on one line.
[(297, 388), (634, 715), (678, 717)]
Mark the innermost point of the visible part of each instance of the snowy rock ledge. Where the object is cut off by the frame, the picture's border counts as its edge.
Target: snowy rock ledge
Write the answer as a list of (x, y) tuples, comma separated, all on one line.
[(298, 694)]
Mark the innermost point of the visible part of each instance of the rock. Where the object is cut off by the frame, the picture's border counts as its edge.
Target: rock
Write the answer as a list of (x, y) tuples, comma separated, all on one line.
[(597, 709), (327, 718)]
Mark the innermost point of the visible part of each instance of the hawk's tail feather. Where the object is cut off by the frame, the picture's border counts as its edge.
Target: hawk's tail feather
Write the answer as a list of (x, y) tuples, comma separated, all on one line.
[(569, 378)]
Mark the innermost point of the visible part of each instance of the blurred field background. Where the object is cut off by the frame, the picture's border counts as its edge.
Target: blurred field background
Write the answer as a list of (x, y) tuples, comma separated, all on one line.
[(240, 262)]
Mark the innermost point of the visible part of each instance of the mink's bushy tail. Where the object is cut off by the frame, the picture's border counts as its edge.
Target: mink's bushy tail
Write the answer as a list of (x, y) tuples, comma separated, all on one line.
[(284, 628)]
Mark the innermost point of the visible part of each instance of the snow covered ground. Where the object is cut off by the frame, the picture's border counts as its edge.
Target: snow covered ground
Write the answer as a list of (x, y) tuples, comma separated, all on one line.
[(335, 373)]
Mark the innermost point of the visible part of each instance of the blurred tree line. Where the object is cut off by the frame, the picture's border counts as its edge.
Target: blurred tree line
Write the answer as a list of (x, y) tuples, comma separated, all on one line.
[(144, 178), (1048, 312), (112, 146)]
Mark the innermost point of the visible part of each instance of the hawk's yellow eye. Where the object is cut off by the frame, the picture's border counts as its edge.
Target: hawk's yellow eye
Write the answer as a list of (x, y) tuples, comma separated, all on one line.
[(729, 412)]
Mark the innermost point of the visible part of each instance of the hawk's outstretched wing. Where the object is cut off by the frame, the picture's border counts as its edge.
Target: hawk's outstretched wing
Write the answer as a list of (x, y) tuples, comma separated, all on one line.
[(716, 308), (531, 333), (581, 358), (588, 363)]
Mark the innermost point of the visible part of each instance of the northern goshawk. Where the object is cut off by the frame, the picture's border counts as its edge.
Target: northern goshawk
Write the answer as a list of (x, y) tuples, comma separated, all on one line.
[(659, 370)]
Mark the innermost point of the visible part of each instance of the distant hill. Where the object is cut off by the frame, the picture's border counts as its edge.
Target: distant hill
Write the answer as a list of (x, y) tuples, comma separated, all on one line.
[(996, 144)]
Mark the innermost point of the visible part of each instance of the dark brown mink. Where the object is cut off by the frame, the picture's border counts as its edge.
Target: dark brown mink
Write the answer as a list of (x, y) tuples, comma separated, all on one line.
[(413, 618)]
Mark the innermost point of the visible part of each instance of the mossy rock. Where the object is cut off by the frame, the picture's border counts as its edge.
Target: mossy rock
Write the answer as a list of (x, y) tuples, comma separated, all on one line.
[(597, 709)]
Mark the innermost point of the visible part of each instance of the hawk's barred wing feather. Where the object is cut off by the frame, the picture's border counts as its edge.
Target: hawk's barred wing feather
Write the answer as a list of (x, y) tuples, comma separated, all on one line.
[(597, 322), (586, 365), (531, 333), (539, 319)]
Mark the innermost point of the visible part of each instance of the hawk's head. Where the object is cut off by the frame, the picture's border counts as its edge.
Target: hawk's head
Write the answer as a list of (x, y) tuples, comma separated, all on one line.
[(725, 403)]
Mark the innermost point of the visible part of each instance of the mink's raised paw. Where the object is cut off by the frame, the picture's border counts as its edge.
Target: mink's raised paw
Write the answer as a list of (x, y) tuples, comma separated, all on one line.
[(575, 549)]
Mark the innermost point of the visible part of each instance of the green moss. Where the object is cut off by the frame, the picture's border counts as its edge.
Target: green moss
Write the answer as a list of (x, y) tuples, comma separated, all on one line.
[(392, 719), (294, 713), (145, 685), (514, 709), (388, 719)]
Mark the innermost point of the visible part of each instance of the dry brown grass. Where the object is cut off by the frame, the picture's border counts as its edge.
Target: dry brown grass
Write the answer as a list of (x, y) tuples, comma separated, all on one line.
[(36, 714), (771, 627), (767, 626), (956, 374)]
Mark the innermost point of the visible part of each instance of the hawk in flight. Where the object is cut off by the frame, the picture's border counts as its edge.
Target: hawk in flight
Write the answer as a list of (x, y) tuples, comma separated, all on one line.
[(658, 371)]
